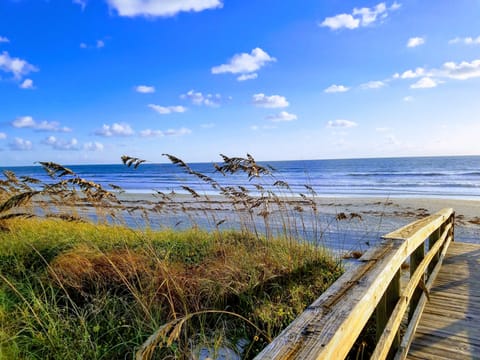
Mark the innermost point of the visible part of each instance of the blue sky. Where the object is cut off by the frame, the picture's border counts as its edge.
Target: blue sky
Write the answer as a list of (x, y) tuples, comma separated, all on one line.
[(86, 81)]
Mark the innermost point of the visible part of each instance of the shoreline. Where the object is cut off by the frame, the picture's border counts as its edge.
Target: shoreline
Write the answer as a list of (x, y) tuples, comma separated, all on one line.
[(364, 216), (467, 209), (342, 224)]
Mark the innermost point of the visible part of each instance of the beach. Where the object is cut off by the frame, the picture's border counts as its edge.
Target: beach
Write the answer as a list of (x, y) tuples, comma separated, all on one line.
[(340, 223), (342, 204)]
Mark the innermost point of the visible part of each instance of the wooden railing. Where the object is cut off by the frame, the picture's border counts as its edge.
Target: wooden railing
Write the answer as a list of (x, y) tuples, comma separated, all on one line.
[(330, 326)]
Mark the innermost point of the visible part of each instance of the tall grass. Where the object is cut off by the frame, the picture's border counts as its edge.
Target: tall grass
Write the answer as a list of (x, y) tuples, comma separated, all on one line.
[(82, 290), (72, 289)]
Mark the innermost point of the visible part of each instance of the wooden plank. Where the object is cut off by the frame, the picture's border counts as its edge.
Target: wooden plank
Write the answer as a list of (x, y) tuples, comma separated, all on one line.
[(414, 321), (329, 327), (385, 341), (431, 242), (450, 325), (423, 227), (415, 260)]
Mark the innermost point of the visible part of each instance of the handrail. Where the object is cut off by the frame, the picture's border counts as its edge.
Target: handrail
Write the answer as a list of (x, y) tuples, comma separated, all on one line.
[(329, 327)]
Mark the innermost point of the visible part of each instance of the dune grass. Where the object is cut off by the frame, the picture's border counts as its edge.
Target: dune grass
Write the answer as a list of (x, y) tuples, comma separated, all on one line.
[(74, 290)]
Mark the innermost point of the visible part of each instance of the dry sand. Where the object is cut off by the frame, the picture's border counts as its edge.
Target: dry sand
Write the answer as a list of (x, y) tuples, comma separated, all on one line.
[(355, 222)]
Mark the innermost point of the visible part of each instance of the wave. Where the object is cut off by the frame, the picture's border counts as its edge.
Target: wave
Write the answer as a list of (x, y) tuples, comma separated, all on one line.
[(413, 174)]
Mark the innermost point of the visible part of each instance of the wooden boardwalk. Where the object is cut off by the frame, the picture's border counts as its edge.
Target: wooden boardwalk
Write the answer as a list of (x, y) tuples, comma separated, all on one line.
[(435, 315), (449, 327)]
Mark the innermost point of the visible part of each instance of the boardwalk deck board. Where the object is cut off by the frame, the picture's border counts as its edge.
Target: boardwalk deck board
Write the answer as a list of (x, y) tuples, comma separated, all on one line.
[(448, 327), (444, 327)]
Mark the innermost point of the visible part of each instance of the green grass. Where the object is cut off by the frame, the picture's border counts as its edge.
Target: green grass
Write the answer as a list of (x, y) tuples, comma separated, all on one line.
[(72, 290)]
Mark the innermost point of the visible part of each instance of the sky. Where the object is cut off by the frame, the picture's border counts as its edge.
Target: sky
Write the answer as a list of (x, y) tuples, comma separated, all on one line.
[(86, 81)]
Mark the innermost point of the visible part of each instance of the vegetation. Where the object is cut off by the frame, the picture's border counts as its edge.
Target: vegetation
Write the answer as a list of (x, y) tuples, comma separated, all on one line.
[(77, 290), (73, 289)]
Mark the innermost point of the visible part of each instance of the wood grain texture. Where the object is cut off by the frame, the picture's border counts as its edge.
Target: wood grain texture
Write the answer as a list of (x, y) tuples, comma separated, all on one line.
[(328, 328), (449, 327)]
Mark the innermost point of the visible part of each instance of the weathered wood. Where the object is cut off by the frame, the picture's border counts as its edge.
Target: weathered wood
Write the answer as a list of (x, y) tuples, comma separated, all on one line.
[(448, 326), (412, 326), (431, 242), (328, 328), (387, 338), (381, 316), (383, 345), (384, 311), (415, 260)]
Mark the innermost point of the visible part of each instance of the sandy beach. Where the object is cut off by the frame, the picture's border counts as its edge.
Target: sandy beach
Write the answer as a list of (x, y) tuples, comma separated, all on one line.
[(343, 223)]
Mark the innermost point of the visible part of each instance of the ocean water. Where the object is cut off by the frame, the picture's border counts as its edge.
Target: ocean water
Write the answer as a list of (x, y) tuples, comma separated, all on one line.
[(441, 177)]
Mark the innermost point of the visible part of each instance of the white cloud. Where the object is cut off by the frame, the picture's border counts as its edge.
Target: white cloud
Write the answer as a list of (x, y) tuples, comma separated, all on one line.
[(245, 63), (382, 129), (395, 6), (415, 41), (282, 116), (99, 44), (4, 39), (177, 132), (27, 84), (467, 40), (51, 126), (197, 98), (162, 8), (359, 17), (59, 144), (341, 21), (24, 122), (207, 125), (3, 136), (20, 144), (273, 101), (164, 110), (341, 124), (151, 133), (372, 85), (411, 74), (264, 127), (29, 122), (462, 71), (408, 98), (116, 129), (425, 83), (145, 89), (161, 133), (336, 89), (93, 146), (16, 66), (82, 3), (244, 77), (369, 15)]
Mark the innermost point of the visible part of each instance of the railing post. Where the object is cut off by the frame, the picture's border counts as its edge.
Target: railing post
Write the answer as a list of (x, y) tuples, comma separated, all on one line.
[(393, 293), (385, 309), (415, 259), (431, 241), (381, 317), (452, 230)]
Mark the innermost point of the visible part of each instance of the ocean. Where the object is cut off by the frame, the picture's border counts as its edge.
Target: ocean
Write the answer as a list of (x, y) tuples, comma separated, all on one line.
[(441, 177)]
